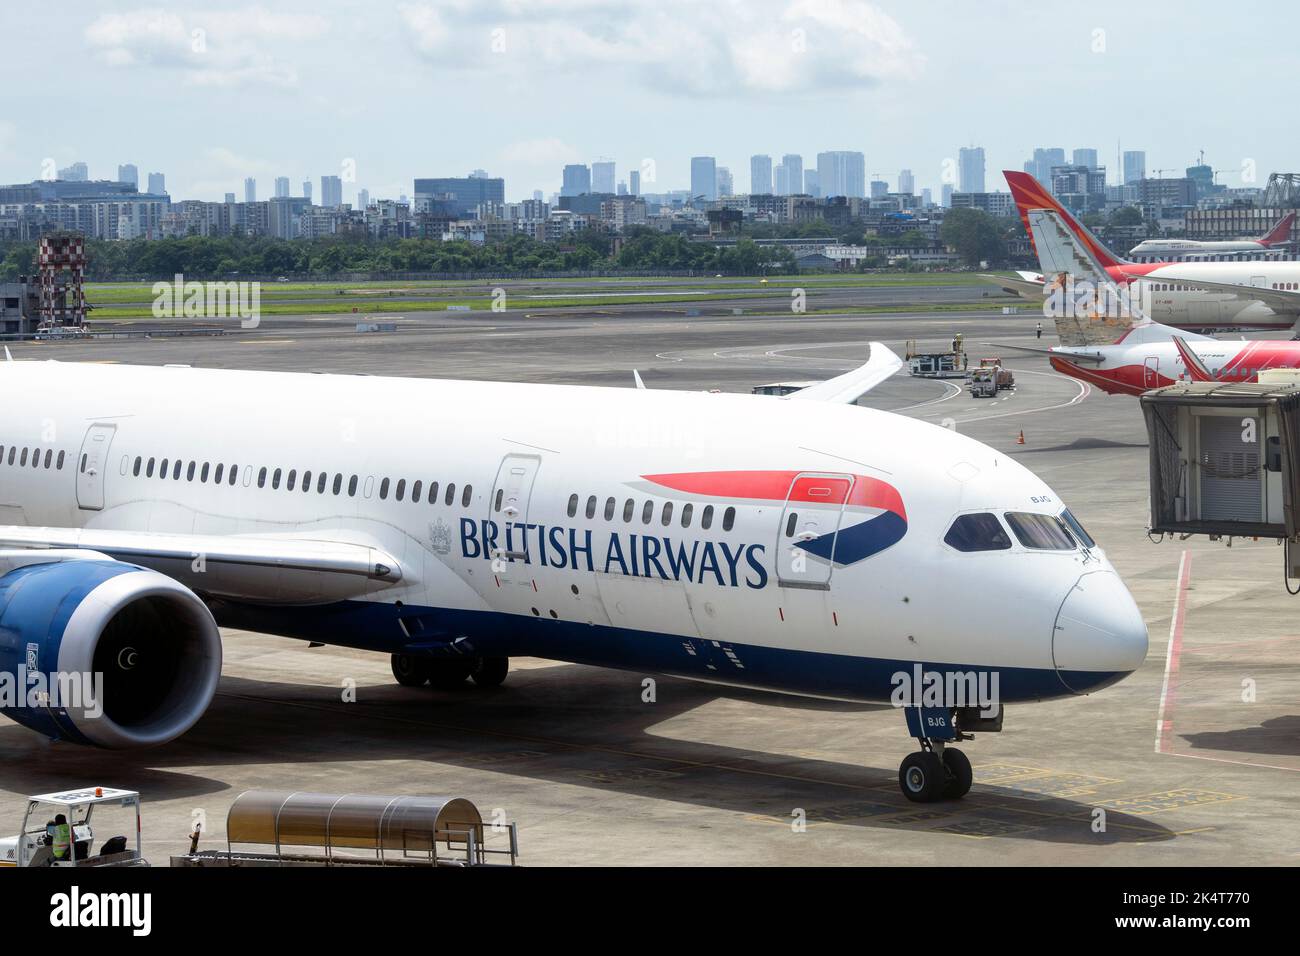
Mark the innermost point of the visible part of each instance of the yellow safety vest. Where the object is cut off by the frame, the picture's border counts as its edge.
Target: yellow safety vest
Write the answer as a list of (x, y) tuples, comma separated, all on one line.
[(62, 837)]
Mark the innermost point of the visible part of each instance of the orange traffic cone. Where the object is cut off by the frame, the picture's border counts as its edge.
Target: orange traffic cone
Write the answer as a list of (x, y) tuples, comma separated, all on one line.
[(1021, 439)]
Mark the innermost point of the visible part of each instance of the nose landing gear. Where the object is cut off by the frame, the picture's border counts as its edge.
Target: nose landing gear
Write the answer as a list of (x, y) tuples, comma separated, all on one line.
[(938, 771)]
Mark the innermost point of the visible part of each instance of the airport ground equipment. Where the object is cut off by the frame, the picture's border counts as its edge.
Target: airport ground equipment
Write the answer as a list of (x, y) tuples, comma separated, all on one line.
[(298, 828), (945, 364), (1225, 461), (1003, 376), (983, 383), (35, 843)]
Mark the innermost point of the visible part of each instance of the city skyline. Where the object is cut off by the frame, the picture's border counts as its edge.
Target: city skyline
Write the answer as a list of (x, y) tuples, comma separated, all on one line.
[(730, 92)]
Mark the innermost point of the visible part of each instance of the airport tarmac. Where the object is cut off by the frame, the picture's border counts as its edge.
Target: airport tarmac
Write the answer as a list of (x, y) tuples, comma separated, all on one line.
[(1193, 760)]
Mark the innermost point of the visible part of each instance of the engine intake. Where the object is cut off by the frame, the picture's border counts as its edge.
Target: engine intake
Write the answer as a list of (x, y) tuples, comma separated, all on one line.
[(127, 657)]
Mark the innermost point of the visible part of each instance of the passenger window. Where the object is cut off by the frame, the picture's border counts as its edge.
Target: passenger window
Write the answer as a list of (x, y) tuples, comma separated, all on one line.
[(573, 504), (467, 496), (189, 472), (203, 472), (647, 512), (49, 457), (59, 463), (261, 477), (610, 505), (275, 479), (629, 507), (338, 483), (148, 472), (686, 514), (728, 519), (291, 479), (352, 487), (216, 476), (415, 490), (400, 492), (667, 518), (234, 474), (1040, 532), (501, 496), (176, 470), (383, 490), (321, 479), (706, 517), (591, 507), (977, 532), (135, 470), (433, 492), (12, 450), (450, 496), (790, 523)]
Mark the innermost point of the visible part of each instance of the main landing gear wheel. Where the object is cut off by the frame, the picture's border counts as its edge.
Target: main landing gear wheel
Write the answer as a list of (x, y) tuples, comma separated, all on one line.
[(490, 671), (448, 675), (410, 670), (960, 776), (921, 776)]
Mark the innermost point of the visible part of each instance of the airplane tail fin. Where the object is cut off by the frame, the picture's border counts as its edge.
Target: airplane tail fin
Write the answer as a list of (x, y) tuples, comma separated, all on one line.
[(1087, 306), (1029, 194), (1281, 232)]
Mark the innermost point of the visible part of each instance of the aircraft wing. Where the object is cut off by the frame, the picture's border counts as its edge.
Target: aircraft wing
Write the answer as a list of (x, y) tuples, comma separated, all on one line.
[(265, 570), (849, 387), (1027, 285), (1279, 300)]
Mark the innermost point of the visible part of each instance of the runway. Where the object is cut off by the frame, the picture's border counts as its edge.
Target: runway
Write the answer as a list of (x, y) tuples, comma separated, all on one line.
[(1194, 760)]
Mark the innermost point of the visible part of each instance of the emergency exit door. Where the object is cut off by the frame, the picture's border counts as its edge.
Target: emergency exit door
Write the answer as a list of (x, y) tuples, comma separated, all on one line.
[(91, 466), (508, 506), (810, 523)]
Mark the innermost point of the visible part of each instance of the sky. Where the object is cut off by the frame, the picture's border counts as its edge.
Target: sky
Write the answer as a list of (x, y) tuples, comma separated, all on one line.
[(384, 92)]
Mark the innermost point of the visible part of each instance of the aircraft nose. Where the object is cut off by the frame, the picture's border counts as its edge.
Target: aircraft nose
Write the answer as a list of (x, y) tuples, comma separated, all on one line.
[(1099, 637)]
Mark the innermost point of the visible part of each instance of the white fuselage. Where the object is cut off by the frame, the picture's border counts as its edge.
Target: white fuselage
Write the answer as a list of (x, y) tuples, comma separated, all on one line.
[(567, 521)]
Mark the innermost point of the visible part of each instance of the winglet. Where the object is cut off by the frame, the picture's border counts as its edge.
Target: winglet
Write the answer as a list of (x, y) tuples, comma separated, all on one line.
[(8, 357), (1191, 361), (1279, 233), (637, 375), (848, 388)]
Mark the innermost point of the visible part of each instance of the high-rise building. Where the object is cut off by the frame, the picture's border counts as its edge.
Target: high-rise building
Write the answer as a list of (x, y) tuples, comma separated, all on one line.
[(157, 184), (634, 182), (726, 184), (281, 187), (602, 176), (577, 180), (780, 180), (76, 173), (1040, 167), (1085, 157), (842, 172), (760, 175), (704, 177), (363, 199), (927, 197), (1135, 166), (879, 189), (230, 199), (970, 169), (306, 189), (906, 182), (812, 183), (793, 164), (462, 195), (250, 189), (331, 192), (945, 196), (127, 173)]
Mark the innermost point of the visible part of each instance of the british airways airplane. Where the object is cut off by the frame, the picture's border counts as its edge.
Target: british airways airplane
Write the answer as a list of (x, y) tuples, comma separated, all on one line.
[(800, 544)]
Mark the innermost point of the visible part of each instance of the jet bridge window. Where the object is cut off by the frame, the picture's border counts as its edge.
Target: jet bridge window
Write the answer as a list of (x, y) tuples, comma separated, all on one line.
[(977, 532), (1040, 532)]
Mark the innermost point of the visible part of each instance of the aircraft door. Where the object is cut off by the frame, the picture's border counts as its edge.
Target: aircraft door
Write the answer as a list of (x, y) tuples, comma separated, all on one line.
[(508, 505), (1151, 372), (91, 464), (810, 522)]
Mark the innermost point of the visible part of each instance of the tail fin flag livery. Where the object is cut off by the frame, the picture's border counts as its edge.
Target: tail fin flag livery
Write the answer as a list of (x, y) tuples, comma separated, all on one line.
[(1196, 369), (1029, 194), (1280, 233)]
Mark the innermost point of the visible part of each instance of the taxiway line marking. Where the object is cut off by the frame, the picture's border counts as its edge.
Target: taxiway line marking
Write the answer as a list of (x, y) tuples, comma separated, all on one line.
[(1173, 651)]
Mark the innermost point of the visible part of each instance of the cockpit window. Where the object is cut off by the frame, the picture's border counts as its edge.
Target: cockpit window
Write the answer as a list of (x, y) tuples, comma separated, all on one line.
[(1072, 523), (977, 532), (1040, 532)]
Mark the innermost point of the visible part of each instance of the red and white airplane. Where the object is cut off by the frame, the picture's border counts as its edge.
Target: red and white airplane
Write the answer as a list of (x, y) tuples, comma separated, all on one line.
[(1108, 341), (1184, 250), (1203, 296)]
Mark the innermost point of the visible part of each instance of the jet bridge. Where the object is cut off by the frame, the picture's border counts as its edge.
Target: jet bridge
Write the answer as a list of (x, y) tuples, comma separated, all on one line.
[(1225, 461)]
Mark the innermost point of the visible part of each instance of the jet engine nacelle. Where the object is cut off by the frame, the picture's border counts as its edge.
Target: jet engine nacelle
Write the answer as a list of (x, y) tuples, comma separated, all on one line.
[(102, 652)]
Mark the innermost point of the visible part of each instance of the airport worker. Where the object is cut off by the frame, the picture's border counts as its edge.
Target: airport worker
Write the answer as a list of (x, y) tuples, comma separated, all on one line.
[(62, 838), (1038, 331)]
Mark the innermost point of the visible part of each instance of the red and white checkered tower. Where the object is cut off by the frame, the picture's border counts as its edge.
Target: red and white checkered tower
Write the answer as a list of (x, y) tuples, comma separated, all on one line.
[(61, 268)]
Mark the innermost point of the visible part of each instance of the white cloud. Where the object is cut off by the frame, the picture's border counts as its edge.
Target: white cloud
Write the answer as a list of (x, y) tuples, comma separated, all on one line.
[(673, 46), (217, 48)]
